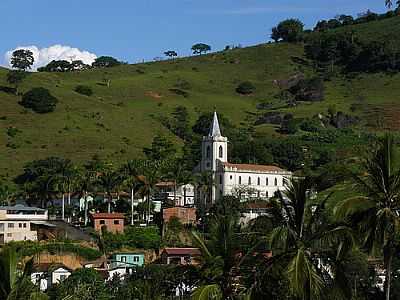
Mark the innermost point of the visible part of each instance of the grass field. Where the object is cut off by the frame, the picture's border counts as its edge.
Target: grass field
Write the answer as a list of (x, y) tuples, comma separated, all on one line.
[(116, 122)]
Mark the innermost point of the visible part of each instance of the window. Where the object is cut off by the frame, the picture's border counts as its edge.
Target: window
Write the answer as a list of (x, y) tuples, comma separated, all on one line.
[(258, 194), (240, 179), (102, 222), (20, 225), (276, 181), (249, 180), (116, 222), (208, 152), (63, 277), (24, 225), (266, 194), (266, 181), (10, 225), (220, 179), (136, 259), (123, 258), (258, 181), (220, 152), (230, 177), (9, 234)]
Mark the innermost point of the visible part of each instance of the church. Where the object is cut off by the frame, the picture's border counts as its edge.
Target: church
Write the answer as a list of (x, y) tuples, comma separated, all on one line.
[(245, 181)]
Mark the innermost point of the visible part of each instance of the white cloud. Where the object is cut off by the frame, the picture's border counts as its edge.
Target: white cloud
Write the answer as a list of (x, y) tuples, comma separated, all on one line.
[(56, 52)]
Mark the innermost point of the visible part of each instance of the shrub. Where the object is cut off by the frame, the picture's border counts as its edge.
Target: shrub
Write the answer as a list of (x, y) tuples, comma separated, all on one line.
[(245, 88), (180, 92), (84, 90), (39, 100)]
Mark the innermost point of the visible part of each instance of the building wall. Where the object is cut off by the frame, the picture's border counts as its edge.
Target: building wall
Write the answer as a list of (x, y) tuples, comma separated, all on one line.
[(187, 215), (16, 230), (264, 184), (131, 259), (110, 224), (59, 275)]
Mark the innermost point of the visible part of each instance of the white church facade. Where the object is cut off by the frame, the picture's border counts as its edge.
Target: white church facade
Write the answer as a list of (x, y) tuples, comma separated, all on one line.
[(245, 181)]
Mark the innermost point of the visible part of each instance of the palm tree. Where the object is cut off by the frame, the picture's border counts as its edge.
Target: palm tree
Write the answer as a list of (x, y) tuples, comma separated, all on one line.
[(111, 181), (179, 176), (375, 212), (15, 283), (86, 186), (204, 184), (133, 180), (306, 243), (219, 250)]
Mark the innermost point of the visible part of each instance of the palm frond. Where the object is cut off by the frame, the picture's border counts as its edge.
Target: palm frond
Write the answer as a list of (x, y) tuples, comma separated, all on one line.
[(351, 206), (201, 244), (207, 292)]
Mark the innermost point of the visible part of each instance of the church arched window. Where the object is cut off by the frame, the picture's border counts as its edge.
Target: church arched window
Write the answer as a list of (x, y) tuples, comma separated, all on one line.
[(221, 154), (208, 152), (258, 181), (249, 180), (266, 181), (240, 179), (276, 181)]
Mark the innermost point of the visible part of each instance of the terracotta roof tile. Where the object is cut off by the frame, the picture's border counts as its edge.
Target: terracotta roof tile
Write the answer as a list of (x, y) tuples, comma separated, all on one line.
[(250, 167), (182, 251), (108, 216)]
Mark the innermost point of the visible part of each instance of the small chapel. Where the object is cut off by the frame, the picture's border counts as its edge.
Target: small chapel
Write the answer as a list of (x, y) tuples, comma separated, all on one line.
[(245, 181)]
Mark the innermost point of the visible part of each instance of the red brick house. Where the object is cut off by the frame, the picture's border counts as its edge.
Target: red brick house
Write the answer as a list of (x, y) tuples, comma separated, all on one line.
[(186, 215), (114, 222)]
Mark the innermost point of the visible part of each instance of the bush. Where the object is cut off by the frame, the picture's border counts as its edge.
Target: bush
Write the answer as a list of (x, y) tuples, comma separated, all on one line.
[(245, 88), (39, 100), (84, 90)]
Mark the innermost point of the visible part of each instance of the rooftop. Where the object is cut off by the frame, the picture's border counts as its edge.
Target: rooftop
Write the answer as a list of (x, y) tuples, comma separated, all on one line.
[(108, 216), (182, 251), (20, 207), (259, 168)]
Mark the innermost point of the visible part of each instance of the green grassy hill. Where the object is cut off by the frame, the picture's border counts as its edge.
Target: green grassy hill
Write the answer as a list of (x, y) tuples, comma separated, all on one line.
[(118, 121)]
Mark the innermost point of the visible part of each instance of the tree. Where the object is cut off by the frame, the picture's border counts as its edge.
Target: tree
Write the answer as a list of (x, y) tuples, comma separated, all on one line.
[(200, 48), (161, 149), (290, 30), (39, 100), (105, 62), (7, 193), (15, 283), (133, 181), (15, 77), (245, 88), (111, 181), (171, 53), (86, 187), (84, 90), (83, 284), (22, 59), (375, 212), (57, 66), (307, 245)]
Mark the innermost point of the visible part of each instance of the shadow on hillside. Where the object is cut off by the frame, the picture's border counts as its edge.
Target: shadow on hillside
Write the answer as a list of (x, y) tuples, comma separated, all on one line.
[(8, 90)]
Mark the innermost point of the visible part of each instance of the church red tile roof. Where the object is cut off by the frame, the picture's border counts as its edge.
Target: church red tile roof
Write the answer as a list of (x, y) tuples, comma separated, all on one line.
[(182, 251), (250, 167)]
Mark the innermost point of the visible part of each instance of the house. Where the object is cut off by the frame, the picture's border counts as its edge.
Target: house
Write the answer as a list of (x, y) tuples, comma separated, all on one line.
[(182, 196), (114, 222), (45, 275), (180, 256), (186, 215), (126, 260), (253, 210), (245, 181), (19, 222)]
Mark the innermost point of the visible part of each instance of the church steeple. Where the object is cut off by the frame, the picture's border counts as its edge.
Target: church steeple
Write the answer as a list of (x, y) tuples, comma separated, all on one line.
[(215, 131)]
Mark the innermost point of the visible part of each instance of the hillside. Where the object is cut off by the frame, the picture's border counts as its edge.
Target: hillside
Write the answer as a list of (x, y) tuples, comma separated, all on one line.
[(117, 121)]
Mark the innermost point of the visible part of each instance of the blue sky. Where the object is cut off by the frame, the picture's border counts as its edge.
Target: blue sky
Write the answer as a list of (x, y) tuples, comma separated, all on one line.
[(132, 30)]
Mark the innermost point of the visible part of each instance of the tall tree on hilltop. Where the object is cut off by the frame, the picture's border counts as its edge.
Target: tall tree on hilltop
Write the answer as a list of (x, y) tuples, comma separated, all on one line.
[(375, 212), (22, 59), (200, 48)]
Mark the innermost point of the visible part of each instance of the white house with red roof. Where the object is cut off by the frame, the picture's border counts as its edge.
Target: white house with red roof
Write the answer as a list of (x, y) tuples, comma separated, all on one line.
[(242, 180)]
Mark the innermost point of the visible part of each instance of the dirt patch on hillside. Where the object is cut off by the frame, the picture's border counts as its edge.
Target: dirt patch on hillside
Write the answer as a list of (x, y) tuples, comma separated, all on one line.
[(385, 116), (153, 95)]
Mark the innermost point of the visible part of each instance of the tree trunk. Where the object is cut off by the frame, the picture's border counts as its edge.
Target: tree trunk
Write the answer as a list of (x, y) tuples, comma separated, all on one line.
[(132, 206), (175, 193), (85, 209), (63, 207), (388, 275), (69, 204)]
